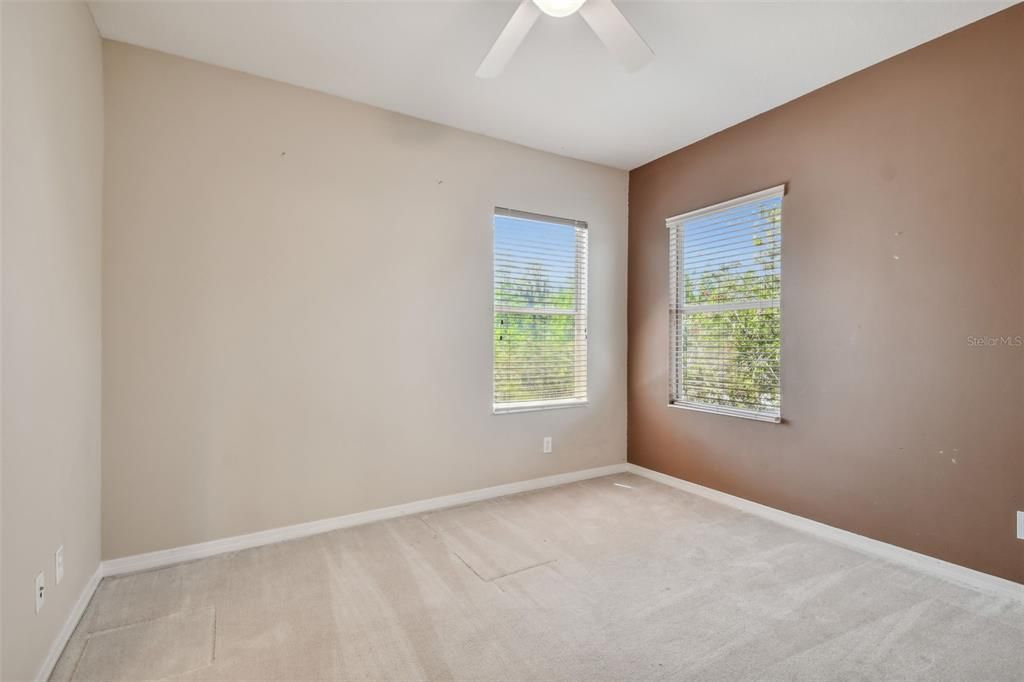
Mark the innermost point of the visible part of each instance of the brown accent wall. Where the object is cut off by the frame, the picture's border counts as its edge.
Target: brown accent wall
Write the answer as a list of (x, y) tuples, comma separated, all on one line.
[(895, 426)]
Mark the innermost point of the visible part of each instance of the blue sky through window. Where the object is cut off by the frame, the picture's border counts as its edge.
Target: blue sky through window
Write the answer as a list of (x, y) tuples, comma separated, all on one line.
[(520, 244), (734, 237)]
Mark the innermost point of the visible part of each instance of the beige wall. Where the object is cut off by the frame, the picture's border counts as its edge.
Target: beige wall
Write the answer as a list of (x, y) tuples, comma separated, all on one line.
[(297, 306), (895, 426), (52, 175)]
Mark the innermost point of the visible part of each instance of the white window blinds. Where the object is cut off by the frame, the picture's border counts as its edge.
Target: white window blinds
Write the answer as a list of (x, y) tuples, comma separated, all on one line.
[(726, 281), (540, 311)]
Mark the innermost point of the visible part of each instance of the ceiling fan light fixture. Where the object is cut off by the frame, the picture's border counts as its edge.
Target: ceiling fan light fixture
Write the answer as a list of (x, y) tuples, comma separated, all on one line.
[(558, 8), (613, 29)]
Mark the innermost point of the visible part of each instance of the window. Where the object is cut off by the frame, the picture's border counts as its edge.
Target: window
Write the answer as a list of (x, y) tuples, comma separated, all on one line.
[(724, 318), (540, 311)]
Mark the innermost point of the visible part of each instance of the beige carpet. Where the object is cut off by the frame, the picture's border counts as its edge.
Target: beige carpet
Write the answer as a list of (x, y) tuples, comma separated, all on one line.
[(616, 578)]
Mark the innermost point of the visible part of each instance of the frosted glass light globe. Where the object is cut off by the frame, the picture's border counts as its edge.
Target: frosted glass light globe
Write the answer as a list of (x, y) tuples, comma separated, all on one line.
[(558, 8)]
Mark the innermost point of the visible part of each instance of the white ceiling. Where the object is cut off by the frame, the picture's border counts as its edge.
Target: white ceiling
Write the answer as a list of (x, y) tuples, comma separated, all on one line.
[(716, 64)]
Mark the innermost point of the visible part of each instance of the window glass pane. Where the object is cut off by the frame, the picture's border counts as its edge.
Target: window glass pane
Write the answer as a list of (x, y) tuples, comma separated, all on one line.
[(536, 357), (534, 264), (726, 282), (731, 358), (540, 334), (733, 255)]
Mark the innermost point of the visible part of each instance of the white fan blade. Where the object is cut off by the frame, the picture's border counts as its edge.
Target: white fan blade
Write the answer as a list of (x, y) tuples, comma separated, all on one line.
[(509, 40), (616, 33)]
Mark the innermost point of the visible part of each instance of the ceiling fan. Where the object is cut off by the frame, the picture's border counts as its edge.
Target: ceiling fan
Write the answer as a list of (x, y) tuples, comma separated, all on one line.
[(602, 15)]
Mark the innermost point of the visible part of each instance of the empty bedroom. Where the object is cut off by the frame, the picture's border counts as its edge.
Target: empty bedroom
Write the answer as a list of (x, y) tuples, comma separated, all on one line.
[(495, 340)]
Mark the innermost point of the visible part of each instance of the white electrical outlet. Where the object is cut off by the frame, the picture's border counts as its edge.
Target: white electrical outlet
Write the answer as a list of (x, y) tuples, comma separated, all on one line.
[(547, 445), (40, 590), (1020, 525), (58, 565)]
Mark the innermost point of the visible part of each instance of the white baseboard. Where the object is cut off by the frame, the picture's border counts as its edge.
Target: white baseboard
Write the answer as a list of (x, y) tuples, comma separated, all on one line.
[(176, 555), (70, 624), (961, 575)]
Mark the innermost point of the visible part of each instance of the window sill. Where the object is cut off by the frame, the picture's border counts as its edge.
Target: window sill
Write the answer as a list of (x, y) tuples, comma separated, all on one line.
[(538, 405), (728, 411)]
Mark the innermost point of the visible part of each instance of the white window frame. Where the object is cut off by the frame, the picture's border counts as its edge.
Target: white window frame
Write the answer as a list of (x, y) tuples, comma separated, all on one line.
[(678, 308), (579, 315)]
